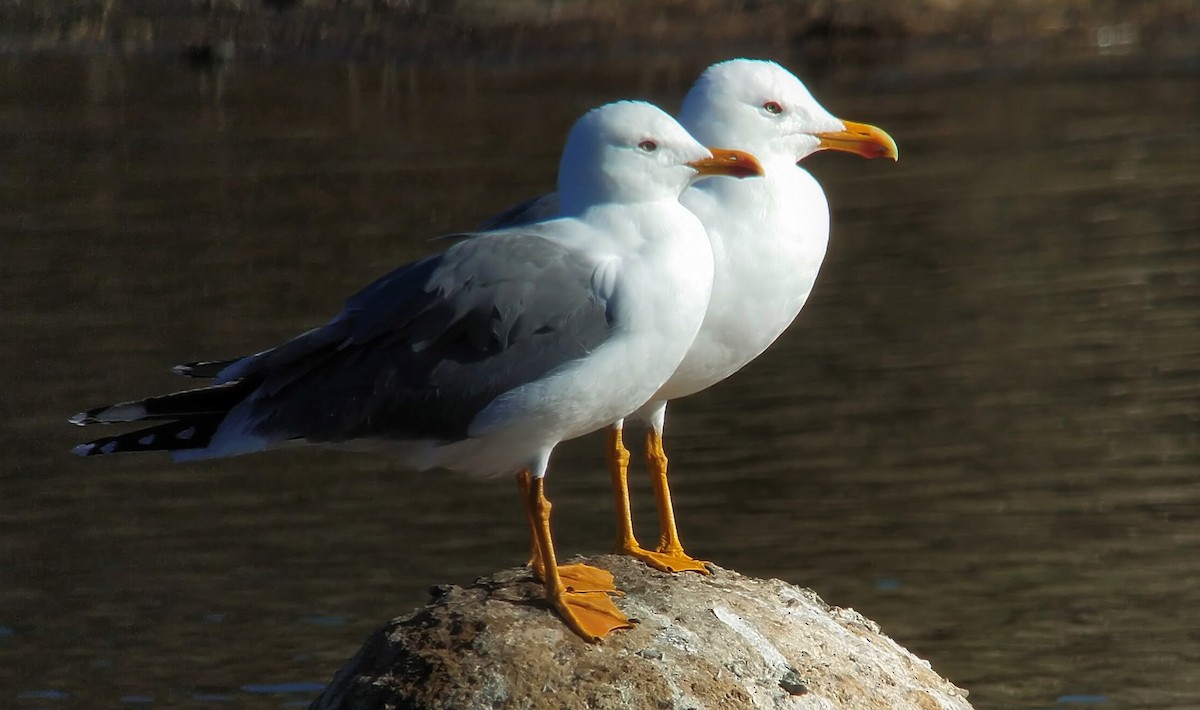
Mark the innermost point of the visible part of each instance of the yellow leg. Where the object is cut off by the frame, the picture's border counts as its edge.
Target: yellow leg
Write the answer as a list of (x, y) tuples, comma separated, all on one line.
[(591, 615), (669, 551), (576, 578), (627, 544), (618, 468)]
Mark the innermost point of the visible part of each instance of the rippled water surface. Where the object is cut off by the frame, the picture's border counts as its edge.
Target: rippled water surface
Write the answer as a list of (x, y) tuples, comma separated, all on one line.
[(983, 431)]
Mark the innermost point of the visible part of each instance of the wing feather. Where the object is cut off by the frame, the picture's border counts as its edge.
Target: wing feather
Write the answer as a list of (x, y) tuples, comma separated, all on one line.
[(421, 351)]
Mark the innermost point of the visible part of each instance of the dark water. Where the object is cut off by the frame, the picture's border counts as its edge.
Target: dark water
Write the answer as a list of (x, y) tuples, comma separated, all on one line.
[(983, 431)]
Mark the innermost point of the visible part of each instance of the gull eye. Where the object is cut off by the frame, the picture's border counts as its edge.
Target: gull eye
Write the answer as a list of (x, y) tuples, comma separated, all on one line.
[(773, 107), (648, 146)]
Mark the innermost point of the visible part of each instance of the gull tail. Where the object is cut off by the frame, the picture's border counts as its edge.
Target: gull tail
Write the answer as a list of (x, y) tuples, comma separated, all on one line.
[(194, 417)]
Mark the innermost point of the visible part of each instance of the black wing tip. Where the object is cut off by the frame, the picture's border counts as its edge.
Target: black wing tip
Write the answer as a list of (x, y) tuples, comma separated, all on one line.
[(95, 416), (95, 448), (193, 369), (203, 369), (111, 414), (191, 433)]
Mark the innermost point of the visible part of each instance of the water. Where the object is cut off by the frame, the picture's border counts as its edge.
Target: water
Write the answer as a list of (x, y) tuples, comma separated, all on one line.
[(982, 432)]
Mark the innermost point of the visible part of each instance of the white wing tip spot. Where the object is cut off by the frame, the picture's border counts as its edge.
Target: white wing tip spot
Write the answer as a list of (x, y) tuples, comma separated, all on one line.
[(186, 434)]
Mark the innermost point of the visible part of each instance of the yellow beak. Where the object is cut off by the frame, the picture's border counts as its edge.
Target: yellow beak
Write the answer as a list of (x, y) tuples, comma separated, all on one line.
[(734, 163), (860, 139)]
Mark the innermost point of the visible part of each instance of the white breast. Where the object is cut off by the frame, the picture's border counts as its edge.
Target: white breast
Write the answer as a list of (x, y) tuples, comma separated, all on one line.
[(769, 238)]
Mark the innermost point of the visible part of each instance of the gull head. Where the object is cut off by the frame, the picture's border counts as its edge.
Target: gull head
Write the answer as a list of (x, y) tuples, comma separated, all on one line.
[(631, 151), (763, 108)]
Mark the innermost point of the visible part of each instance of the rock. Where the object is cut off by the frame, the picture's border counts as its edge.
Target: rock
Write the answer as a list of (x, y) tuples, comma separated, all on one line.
[(723, 641)]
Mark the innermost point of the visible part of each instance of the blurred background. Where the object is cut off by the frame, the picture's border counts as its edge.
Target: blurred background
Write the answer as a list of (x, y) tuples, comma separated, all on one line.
[(983, 431)]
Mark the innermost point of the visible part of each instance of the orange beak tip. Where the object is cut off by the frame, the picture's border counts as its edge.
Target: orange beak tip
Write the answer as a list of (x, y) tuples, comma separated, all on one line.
[(731, 163), (861, 139)]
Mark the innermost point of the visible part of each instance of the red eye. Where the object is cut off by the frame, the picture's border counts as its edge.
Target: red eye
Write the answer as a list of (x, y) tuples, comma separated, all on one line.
[(773, 107), (648, 146)]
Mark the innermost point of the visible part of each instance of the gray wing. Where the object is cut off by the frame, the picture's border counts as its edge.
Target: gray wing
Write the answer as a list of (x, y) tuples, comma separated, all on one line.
[(536, 209), (421, 351)]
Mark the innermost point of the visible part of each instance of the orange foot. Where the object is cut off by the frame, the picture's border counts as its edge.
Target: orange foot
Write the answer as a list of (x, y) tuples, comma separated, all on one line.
[(667, 559), (580, 578), (592, 615), (585, 578)]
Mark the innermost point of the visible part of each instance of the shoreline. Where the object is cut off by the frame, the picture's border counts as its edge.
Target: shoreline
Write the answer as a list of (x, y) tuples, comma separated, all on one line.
[(448, 31)]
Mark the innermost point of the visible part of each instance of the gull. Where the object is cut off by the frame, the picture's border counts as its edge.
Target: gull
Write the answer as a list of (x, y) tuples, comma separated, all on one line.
[(768, 239), (484, 357)]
